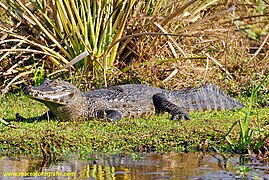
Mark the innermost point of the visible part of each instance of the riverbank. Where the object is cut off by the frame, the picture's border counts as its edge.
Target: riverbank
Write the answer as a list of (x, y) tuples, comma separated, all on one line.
[(157, 133)]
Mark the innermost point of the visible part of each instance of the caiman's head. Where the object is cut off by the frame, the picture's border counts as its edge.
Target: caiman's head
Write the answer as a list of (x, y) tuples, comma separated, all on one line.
[(52, 92)]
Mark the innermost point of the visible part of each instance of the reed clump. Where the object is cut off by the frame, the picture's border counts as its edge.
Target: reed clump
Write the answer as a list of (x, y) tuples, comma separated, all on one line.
[(162, 43)]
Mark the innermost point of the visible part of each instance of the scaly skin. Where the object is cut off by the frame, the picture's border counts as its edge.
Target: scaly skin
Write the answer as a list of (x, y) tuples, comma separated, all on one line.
[(67, 102)]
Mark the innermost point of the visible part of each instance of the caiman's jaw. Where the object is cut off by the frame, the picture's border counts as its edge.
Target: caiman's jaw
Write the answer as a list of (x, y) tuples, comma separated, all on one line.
[(57, 91)]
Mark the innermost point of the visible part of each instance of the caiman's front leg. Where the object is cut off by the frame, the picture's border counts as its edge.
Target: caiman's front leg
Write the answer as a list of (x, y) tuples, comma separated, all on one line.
[(109, 114), (47, 115), (162, 104)]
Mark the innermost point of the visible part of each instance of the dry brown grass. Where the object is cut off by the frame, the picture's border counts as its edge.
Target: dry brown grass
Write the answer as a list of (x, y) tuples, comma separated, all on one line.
[(215, 51)]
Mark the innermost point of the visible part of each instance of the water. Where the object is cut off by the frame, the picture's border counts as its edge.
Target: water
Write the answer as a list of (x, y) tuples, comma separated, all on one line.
[(145, 166)]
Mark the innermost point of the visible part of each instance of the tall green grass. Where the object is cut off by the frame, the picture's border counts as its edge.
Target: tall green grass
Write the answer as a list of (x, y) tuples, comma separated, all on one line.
[(244, 142), (66, 28)]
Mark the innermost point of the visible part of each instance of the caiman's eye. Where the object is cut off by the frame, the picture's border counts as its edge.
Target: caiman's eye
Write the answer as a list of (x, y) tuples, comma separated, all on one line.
[(71, 95)]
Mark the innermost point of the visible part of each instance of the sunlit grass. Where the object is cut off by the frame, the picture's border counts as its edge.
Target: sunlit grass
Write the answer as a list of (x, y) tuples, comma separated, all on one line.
[(156, 133)]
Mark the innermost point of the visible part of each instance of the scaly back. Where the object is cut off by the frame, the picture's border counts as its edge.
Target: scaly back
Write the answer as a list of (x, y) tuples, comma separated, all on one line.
[(206, 97)]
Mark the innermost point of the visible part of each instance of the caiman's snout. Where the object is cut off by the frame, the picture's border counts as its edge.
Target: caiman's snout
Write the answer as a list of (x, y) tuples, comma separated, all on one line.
[(28, 91)]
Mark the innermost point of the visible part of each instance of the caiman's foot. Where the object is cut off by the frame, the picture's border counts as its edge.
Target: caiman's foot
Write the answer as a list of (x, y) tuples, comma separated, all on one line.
[(19, 117), (111, 115), (180, 115), (162, 104), (47, 115)]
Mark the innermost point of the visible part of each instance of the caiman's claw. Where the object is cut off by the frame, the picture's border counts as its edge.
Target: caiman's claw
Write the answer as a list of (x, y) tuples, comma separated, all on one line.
[(19, 117)]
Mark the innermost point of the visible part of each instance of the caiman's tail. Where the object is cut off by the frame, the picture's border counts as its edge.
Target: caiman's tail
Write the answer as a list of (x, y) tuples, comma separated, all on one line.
[(206, 97)]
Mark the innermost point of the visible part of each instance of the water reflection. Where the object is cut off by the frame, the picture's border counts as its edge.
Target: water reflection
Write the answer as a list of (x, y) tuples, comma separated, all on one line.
[(150, 166)]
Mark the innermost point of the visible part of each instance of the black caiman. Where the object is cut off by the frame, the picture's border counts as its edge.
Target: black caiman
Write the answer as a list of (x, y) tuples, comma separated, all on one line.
[(66, 102)]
